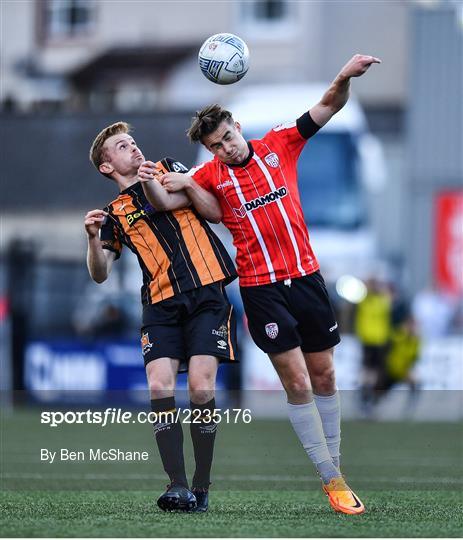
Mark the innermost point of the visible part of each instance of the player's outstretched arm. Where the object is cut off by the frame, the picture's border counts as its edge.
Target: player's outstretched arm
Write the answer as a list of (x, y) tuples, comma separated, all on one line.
[(337, 94), (204, 202), (149, 176), (99, 260)]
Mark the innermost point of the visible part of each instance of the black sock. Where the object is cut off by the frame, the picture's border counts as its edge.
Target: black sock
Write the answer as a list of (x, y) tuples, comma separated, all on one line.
[(169, 437), (203, 437)]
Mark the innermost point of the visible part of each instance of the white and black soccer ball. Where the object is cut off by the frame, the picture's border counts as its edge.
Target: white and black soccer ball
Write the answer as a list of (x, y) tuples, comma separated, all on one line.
[(224, 58)]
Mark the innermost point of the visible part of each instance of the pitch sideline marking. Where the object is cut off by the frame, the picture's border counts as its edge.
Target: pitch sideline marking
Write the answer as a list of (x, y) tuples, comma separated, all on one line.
[(232, 478)]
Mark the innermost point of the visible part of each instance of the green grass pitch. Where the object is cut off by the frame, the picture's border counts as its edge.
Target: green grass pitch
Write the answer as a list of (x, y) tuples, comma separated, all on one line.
[(409, 476)]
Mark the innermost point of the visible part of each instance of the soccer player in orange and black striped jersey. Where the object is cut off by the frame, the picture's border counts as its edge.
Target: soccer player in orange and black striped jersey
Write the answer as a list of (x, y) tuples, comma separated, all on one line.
[(188, 323), (177, 250)]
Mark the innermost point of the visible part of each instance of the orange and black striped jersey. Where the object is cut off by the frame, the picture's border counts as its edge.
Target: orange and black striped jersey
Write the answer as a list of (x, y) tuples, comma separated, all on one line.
[(177, 251)]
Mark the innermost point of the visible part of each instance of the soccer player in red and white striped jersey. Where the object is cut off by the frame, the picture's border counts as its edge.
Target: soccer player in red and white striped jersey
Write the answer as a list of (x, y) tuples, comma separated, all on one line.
[(260, 204), (289, 313)]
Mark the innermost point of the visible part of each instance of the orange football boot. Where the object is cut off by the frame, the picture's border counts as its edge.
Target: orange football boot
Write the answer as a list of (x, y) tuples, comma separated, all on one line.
[(342, 498)]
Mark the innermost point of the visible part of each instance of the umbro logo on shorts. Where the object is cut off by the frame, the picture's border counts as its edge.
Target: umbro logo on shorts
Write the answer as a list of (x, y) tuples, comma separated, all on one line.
[(271, 329)]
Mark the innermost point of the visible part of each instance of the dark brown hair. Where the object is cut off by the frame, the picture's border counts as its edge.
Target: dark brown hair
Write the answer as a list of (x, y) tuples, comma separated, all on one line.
[(207, 121)]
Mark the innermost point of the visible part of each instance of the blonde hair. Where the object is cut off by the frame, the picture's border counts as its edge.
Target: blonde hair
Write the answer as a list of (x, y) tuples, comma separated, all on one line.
[(97, 153)]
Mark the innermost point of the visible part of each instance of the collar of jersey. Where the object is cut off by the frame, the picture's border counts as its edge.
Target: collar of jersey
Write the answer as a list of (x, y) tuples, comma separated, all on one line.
[(130, 188), (247, 160)]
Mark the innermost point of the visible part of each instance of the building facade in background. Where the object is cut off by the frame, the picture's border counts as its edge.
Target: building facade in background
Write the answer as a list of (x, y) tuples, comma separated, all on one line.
[(69, 66), (141, 55), (433, 224)]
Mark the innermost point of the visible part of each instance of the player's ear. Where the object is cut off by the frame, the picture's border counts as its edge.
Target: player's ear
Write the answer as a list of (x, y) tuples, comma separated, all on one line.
[(238, 127), (106, 168)]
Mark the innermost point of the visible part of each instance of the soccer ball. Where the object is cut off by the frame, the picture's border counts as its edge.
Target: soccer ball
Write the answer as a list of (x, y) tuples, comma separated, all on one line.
[(224, 58)]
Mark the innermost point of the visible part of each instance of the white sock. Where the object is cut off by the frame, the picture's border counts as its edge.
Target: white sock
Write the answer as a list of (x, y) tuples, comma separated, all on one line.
[(329, 408), (307, 424)]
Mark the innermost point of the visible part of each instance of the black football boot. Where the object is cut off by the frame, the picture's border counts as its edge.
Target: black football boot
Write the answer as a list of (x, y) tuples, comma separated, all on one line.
[(202, 499), (177, 498)]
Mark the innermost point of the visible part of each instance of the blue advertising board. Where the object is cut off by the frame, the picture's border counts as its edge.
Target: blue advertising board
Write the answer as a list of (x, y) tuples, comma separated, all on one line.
[(56, 367)]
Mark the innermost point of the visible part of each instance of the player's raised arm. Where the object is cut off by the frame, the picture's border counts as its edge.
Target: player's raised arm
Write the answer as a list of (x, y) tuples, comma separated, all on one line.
[(204, 202), (161, 199), (337, 94), (99, 260)]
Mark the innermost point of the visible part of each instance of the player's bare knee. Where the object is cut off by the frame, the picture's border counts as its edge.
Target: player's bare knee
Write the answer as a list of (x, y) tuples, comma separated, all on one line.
[(298, 386), (161, 387), (202, 389), (201, 397), (324, 382)]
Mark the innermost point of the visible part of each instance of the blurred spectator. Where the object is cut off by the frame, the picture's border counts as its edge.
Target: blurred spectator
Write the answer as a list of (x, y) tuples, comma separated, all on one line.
[(373, 326), (111, 322), (433, 311), (104, 317), (9, 104), (400, 308), (403, 352)]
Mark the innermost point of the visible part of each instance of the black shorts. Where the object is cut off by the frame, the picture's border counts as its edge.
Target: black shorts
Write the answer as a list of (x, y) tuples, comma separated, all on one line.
[(200, 321), (282, 317)]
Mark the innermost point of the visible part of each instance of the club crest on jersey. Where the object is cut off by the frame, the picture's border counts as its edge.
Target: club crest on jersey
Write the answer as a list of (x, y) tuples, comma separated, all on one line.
[(145, 343), (272, 160), (271, 330), (256, 203)]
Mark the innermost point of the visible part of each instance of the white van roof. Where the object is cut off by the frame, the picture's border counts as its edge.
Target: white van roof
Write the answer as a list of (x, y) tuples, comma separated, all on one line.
[(262, 106)]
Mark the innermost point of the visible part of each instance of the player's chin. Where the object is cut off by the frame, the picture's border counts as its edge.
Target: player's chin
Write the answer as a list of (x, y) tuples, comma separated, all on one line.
[(236, 160)]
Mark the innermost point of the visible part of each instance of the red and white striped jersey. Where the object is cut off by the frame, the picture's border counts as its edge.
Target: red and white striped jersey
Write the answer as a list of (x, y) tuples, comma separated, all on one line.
[(262, 209)]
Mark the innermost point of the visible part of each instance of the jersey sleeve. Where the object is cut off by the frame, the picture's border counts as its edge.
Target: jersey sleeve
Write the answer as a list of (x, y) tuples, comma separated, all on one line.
[(109, 237), (200, 174), (203, 175), (171, 165), (292, 136), (287, 139)]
